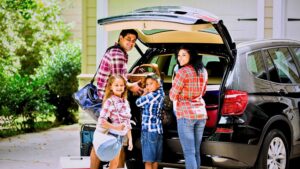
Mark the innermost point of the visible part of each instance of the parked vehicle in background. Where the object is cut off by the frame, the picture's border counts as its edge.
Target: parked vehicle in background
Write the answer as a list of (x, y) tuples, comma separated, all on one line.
[(253, 91)]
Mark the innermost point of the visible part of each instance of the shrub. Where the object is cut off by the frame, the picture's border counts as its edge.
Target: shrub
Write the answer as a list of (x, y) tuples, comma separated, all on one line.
[(60, 73), (29, 29), (23, 96)]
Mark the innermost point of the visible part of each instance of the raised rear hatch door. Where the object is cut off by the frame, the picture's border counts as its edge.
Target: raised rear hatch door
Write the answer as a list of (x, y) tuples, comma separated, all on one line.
[(172, 24)]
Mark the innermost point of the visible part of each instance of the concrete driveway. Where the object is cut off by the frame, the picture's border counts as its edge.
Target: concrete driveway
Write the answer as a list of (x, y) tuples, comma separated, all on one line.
[(44, 150), (40, 150)]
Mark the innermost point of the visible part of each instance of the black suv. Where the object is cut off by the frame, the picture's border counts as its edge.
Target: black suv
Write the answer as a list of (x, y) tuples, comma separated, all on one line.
[(252, 94)]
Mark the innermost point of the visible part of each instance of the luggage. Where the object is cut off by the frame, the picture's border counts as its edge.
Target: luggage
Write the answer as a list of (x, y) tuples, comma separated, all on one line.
[(86, 144), (142, 71), (86, 138)]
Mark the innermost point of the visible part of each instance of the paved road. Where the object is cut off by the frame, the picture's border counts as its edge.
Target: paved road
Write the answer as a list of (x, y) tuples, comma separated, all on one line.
[(39, 150), (43, 150)]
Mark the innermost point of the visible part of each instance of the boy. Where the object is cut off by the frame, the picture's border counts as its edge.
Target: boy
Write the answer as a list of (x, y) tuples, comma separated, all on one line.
[(152, 133)]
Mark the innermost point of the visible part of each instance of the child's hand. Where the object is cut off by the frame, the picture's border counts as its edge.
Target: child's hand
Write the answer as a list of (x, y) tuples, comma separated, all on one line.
[(130, 146), (145, 91), (121, 127)]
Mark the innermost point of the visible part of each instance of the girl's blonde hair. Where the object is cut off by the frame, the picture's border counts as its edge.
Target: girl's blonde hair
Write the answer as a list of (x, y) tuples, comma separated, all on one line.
[(109, 92)]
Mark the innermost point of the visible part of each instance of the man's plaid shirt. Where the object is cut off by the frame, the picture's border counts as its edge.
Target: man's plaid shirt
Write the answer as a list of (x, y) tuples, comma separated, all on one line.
[(151, 114), (114, 61), (187, 90)]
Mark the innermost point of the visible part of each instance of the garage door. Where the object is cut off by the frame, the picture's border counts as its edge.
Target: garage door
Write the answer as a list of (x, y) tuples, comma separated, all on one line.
[(240, 17), (293, 20)]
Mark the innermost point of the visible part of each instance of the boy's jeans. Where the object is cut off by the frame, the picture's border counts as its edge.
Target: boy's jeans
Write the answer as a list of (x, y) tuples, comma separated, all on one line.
[(190, 133)]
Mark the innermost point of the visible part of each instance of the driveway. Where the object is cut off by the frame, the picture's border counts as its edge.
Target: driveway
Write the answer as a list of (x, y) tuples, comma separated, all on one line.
[(40, 150), (43, 150)]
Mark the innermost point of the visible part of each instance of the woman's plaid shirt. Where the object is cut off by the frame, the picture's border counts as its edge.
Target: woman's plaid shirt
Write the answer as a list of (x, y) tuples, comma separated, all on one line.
[(187, 90), (151, 113)]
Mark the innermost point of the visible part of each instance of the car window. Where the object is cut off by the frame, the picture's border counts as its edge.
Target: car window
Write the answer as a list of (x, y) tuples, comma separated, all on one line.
[(273, 74), (215, 67), (166, 64), (214, 64), (256, 66), (284, 65), (297, 52)]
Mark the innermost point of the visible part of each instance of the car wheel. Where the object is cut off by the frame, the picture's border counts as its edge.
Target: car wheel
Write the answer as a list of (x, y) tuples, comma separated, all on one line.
[(274, 152)]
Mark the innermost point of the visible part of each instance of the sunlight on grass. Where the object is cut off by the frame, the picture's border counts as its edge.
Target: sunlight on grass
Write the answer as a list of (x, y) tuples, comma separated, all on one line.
[(42, 122)]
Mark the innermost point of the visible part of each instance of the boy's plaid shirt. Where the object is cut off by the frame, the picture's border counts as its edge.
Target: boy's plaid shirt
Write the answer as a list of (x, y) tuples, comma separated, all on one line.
[(151, 114), (114, 61), (187, 90)]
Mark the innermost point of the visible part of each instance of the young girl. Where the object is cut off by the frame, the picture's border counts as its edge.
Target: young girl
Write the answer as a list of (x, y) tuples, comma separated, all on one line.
[(187, 90), (116, 108)]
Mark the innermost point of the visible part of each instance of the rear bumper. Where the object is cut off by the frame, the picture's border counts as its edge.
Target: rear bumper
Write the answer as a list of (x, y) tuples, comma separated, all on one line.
[(230, 155)]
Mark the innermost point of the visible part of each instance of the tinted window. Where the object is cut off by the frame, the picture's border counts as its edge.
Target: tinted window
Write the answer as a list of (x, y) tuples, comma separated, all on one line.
[(164, 63), (284, 64), (255, 65), (297, 52), (215, 66)]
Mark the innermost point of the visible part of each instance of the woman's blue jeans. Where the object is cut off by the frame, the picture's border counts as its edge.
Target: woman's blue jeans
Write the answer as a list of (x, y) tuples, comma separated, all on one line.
[(190, 133)]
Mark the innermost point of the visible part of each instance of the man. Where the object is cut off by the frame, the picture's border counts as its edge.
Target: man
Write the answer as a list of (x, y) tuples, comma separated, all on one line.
[(114, 61)]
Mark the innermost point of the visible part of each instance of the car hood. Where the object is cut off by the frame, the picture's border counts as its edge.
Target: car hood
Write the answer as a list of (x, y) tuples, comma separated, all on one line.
[(173, 24)]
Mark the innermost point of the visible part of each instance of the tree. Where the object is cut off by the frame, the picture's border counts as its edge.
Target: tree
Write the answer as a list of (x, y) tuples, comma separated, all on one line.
[(29, 29)]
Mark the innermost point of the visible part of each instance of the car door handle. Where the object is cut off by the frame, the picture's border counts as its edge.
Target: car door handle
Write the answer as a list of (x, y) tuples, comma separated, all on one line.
[(282, 92)]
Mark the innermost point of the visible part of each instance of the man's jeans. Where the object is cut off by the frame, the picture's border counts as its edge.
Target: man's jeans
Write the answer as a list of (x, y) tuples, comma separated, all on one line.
[(190, 133)]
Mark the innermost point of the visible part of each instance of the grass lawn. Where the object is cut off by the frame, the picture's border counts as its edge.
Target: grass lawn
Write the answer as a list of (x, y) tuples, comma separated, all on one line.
[(14, 128)]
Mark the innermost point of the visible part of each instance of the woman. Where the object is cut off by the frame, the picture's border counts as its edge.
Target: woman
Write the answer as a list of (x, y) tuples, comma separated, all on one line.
[(188, 87)]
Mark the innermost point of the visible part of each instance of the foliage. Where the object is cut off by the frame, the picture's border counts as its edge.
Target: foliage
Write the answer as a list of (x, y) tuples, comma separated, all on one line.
[(60, 73), (29, 29), (31, 33), (22, 96)]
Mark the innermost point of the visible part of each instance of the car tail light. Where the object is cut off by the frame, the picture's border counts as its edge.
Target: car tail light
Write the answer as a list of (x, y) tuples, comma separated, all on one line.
[(235, 102), (224, 130)]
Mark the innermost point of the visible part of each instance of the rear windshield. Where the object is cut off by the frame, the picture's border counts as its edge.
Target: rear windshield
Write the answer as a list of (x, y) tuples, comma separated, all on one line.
[(215, 66)]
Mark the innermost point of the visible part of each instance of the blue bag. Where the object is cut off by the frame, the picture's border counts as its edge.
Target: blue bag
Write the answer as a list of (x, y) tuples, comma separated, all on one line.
[(107, 146), (88, 99)]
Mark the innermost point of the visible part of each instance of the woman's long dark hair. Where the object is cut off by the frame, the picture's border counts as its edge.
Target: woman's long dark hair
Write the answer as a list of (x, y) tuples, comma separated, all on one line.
[(195, 59)]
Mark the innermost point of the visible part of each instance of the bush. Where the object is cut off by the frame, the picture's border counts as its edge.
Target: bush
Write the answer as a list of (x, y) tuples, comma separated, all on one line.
[(60, 73), (29, 29), (30, 38), (23, 96)]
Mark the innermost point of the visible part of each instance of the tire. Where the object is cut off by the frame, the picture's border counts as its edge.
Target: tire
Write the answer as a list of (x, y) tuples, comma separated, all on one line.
[(274, 151)]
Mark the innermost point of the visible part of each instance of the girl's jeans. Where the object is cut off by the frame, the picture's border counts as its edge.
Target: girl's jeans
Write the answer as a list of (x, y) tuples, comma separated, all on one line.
[(190, 133)]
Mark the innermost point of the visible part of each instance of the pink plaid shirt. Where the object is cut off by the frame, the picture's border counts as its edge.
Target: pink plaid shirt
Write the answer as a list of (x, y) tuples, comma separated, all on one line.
[(118, 111), (187, 91), (114, 61)]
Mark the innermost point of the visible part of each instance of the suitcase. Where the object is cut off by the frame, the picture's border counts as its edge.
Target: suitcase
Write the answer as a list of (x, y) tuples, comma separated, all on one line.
[(86, 142), (86, 138)]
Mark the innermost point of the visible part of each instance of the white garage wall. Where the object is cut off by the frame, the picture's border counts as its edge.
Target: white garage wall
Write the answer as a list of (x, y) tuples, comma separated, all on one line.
[(293, 27), (228, 10)]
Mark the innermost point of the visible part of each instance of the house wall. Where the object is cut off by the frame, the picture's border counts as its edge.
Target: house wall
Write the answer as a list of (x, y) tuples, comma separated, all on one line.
[(72, 13), (268, 19), (88, 60)]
